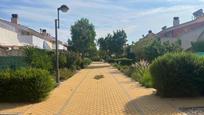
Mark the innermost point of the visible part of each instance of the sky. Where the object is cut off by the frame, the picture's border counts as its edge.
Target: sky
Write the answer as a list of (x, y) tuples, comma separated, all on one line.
[(136, 17)]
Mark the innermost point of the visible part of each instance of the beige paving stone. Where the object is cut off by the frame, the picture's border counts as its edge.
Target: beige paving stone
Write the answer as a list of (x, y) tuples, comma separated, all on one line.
[(114, 94)]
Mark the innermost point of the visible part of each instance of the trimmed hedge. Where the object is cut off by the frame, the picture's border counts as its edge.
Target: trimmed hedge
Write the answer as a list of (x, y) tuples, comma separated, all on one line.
[(121, 61), (12, 62), (25, 85), (178, 75)]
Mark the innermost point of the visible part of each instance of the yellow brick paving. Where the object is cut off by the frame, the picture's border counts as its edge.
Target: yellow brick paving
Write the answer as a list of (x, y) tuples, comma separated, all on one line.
[(115, 94)]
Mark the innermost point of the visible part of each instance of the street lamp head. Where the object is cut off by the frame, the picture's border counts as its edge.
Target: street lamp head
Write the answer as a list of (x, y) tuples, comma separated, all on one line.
[(63, 8)]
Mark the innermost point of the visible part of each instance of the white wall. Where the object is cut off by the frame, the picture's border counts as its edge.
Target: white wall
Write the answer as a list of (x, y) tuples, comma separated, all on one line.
[(25, 39), (41, 43), (34, 41), (60, 46), (8, 38), (37, 42)]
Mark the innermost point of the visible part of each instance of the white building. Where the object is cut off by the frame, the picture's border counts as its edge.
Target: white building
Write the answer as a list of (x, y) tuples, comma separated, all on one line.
[(12, 34), (8, 36)]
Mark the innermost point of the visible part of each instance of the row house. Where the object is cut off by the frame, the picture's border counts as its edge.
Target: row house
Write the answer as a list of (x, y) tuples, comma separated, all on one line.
[(14, 35), (187, 32)]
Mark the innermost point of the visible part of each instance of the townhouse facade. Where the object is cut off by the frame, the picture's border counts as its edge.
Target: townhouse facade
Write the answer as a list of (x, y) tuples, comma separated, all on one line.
[(15, 35), (187, 32)]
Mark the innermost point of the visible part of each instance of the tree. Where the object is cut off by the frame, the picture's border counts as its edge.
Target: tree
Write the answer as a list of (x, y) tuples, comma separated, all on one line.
[(113, 44), (83, 36), (150, 48), (118, 42)]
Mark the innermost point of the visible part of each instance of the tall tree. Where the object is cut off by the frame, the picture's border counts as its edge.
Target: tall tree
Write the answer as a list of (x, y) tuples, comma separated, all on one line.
[(83, 36), (118, 42), (113, 44)]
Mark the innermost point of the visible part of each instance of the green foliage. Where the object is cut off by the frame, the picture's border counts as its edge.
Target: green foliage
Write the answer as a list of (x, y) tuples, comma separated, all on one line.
[(62, 59), (113, 44), (96, 58), (198, 46), (83, 36), (123, 68), (178, 75), (66, 73), (74, 61), (39, 58), (25, 85), (86, 62), (123, 61), (141, 73), (151, 47), (147, 79), (12, 62)]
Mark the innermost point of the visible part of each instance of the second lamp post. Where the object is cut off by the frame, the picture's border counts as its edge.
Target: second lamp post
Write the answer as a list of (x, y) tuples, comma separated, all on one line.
[(62, 8)]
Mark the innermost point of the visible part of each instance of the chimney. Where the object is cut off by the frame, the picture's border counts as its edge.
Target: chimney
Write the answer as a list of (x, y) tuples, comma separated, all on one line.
[(14, 18), (44, 32), (150, 31), (176, 21)]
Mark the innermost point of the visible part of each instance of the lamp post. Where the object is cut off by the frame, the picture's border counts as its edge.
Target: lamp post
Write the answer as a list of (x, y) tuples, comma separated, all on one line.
[(62, 8)]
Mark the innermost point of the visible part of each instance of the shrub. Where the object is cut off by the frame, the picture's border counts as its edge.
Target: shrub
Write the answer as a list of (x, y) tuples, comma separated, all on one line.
[(12, 62), (74, 60), (25, 85), (178, 75), (38, 58), (198, 46), (86, 62), (62, 60), (96, 58), (122, 61), (141, 73), (66, 73), (125, 69), (146, 79)]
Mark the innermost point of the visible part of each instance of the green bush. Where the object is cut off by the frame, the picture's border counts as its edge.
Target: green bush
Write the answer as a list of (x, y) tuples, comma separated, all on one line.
[(25, 85), (178, 75), (121, 61), (96, 58), (86, 62), (39, 58), (141, 73), (12, 62), (125, 69), (66, 73), (74, 61), (62, 60), (147, 79)]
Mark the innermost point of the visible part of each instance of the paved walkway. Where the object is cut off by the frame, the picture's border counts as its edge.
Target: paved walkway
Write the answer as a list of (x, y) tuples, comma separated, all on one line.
[(114, 94)]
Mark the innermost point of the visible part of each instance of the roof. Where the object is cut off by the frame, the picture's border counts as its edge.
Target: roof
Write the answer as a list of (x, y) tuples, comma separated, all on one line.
[(6, 26), (197, 23), (10, 25)]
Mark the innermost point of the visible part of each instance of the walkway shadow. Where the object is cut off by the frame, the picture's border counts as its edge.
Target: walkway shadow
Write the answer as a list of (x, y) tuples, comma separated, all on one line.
[(97, 66), (150, 105), (5, 106)]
